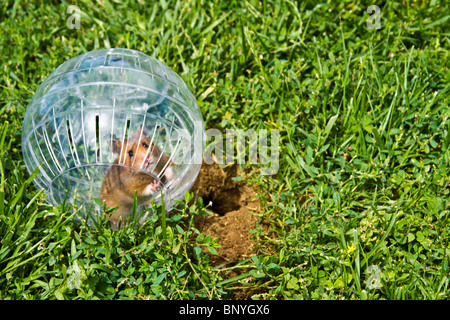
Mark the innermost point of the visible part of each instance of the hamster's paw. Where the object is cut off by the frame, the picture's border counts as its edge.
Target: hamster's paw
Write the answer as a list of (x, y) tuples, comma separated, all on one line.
[(152, 188)]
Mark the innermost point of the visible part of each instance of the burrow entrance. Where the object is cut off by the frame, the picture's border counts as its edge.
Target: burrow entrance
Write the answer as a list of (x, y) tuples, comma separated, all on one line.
[(232, 204)]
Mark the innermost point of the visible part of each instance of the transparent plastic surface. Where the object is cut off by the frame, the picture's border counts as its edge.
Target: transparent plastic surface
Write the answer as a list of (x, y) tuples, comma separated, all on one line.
[(113, 109)]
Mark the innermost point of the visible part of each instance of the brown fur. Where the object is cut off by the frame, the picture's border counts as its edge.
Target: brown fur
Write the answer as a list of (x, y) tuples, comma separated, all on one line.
[(125, 178)]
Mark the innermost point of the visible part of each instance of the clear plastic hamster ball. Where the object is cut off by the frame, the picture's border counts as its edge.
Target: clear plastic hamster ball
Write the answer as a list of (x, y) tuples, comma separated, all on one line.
[(110, 127)]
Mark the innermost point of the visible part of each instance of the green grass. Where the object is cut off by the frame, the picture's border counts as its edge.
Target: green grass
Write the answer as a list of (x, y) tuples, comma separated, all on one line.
[(363, 187)]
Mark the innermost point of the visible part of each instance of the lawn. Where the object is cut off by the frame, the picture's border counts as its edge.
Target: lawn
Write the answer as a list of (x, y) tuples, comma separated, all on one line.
[(359, 208)]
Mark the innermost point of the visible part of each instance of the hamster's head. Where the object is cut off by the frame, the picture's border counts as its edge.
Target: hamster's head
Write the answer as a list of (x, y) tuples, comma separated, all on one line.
[(138, 151)]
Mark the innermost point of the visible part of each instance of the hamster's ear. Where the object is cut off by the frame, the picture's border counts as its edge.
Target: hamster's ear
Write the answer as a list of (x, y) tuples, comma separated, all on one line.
[(116, 145), (137, 134), (144, 130)]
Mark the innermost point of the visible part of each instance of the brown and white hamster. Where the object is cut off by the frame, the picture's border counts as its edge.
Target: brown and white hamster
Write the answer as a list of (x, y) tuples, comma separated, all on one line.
[(128, 175)]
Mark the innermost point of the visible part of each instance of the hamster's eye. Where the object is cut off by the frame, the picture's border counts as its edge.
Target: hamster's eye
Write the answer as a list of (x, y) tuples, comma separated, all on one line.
[(130, 153), (145, 145)]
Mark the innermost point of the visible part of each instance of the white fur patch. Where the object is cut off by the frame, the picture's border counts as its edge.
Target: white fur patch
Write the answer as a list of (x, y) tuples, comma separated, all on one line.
[(169, 173)]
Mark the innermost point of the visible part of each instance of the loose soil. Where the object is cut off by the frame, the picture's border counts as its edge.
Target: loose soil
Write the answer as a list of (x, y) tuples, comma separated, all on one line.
[(232, 204)]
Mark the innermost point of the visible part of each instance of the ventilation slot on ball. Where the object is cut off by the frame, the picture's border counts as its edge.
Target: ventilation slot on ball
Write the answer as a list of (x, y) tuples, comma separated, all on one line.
[(73, 149), (163, 171), (50, 150), (152, 141), (97, 139), (139, 145), (158, 132), (125, 138), (57, 128)]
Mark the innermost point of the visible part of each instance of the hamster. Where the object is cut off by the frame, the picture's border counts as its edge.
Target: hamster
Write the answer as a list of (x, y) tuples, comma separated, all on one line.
[(128, 174)]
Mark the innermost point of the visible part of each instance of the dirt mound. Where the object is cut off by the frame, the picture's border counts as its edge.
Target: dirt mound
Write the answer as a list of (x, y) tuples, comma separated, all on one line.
[(232, 204)]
